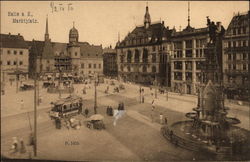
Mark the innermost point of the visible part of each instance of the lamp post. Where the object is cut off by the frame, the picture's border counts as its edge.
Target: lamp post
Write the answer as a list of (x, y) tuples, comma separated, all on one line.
[(95, 103), (35, 115), (155, 83)]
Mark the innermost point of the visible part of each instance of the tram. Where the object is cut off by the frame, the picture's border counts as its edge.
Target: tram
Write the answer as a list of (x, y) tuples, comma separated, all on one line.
[(66, 107)]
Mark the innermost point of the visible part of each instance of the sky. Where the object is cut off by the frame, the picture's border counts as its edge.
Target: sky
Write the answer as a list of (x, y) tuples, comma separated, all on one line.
[(99, 22)]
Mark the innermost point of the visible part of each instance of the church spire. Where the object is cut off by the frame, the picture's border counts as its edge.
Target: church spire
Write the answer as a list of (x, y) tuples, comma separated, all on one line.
[(46, 36), (147, 19)]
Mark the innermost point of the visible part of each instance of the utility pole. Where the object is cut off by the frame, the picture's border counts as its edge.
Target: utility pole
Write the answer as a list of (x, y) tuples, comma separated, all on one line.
[(167, 76), (140, 93), (17, 76), (35, 115), (59, 83), (95, 104), (155, 87)]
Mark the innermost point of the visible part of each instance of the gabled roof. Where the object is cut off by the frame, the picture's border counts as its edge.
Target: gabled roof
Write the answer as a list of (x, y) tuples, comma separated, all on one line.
[(12, 41), (93, 51), (155, 33), (36, 47), (59, 48), (87, 50), (241, 19)]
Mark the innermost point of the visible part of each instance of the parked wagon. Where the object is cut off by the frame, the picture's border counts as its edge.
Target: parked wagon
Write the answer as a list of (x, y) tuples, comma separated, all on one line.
[(25, 87)]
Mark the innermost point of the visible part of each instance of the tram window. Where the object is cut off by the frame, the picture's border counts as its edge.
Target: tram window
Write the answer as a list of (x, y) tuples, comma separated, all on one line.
[(64, 107)]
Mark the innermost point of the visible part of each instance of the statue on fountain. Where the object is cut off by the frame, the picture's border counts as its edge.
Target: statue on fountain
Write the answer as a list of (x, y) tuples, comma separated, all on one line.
[(215, 31)]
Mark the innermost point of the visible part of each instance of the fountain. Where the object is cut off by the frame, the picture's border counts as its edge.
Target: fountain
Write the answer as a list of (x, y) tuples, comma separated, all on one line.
[(208, 128)]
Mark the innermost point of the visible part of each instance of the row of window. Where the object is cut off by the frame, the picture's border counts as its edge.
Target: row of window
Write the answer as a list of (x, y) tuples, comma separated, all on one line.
[(76, 54), (232, 79), (240, 56), (188, 76), (234, 67), (189, 43), (238, 43), (12, 63), (238, 30), (90, 66), (188, 65), (189, 53), (15, 52), (144, 69)]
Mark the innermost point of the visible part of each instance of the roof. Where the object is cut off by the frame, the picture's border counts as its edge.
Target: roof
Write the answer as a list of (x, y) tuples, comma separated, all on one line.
[(69, 99), (190, 32), (155, 33), (241, 19), (59, 48), (87, 50), (93, 51), (12, 41)]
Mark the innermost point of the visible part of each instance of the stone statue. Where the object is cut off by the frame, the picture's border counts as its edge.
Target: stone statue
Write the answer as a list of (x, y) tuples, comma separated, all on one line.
[(214, 30)]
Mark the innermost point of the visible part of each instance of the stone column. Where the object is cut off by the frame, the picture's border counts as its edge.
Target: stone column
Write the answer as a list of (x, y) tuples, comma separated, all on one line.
[(140, 55), (132, 56), (183, 49), (194, 77), (194, 48), (184, 77)]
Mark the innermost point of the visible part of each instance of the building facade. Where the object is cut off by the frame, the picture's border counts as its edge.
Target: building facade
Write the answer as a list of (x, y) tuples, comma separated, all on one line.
[(110, 62), (188, 54), (140, 56), (72, 58), (236, 57), (14, 60)]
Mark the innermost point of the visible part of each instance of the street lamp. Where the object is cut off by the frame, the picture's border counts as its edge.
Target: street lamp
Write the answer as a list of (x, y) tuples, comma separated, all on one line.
[(35, 114), (155, 84), (95, 103)]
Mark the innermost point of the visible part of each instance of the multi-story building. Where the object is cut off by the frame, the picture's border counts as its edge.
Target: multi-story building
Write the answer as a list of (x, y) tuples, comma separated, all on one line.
[(91, 61), (14, 60), (74, 58), (187, 55), (140, 55), (110, 62), (236, 57)]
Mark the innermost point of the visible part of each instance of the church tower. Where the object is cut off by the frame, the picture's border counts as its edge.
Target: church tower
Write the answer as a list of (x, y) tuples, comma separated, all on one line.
[(147, 19), (74, 49)]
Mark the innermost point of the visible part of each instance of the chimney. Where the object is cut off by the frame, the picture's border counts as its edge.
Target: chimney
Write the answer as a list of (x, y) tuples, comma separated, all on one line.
[(162, 22), (18, 34), (9, 33)]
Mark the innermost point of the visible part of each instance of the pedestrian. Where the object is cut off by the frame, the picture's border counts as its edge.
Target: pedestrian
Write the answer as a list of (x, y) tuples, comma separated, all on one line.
[(14, 146), (107, 111), (22, 146), (22, 104), (86, 112), (142, 98), (161, 118), (153, 105), (166, 120)]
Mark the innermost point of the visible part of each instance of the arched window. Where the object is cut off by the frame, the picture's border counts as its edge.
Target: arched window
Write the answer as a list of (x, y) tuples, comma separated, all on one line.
[(137, 56), (129, 56), (145, 56), (144, 69), (153, 69)]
